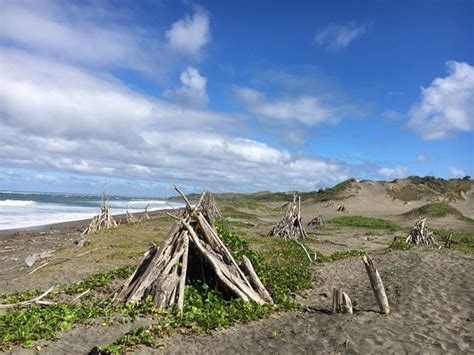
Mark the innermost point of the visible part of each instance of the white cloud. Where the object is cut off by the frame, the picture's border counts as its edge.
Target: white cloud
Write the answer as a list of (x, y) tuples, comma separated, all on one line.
[(305, 109), (79, 35), (398, 171), (336, 36), (456, 173), (69, 120), (447, 105), (193, 91), (190, 34)]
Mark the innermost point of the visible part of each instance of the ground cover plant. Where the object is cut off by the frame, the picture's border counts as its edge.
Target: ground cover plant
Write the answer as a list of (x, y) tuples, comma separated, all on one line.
[(365, 222), (436, 209), (205, 308)]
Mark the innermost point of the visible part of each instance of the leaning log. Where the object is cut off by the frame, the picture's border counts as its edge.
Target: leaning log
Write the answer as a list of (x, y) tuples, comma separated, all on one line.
[(376, 284)]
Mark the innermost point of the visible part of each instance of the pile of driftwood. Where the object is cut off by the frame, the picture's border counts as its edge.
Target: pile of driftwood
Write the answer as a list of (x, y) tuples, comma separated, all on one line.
[(130, 218), (317, 221), (104, 220), (420, 235), (290, 226), (342, 208), (192, 249)]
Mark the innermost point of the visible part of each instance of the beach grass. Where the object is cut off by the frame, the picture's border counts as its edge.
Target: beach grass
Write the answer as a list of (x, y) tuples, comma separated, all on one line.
[(365, 222)]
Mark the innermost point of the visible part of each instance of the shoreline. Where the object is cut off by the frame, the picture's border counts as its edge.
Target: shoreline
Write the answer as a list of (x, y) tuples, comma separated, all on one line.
[(67, 226)]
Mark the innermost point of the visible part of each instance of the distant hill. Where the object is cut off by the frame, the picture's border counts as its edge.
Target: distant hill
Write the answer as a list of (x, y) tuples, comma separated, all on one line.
[(413, 188)]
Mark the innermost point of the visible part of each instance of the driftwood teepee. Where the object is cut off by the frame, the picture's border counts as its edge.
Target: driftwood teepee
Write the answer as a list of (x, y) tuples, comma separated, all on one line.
[(420, 234), (342, 208), (129, 217), (317, 221), (104, 220), (192, 249), (290, 226)]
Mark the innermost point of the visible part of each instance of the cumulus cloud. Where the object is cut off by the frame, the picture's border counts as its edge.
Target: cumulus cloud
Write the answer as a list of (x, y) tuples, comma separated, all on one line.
[(193, 90), (456, 173), (70, 120), (391, 173), (190, 34), (78, 35), (305, 109), (337, 36), (447, 105)]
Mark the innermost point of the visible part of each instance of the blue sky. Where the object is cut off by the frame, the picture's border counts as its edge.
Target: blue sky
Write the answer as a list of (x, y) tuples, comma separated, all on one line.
[(233, 95)]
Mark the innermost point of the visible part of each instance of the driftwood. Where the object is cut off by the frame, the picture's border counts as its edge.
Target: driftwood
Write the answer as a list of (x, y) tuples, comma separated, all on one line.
[(341, 303), (330, 204), (37, 300), (103, 220), (210, 209), (129, 217), (290, 226), (192, 249), (448, 241), (317, 221), (342, 208), (377, 285), (145, 216), (420, 235)]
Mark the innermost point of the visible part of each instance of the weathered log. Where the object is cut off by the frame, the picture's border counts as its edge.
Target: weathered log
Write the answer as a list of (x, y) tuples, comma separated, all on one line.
[(447, 242), (254, 280), (341, 303), (377, 285)]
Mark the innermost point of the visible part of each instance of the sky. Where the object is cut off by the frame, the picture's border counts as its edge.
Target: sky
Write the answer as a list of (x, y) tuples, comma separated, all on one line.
[(233, 95)]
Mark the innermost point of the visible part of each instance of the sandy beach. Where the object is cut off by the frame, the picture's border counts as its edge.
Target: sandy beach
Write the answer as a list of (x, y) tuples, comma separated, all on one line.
[(429, 289)]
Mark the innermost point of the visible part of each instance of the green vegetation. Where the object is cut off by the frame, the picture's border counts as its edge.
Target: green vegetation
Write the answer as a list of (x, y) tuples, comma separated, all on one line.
[(437, 209), (418, 187), (133, 338), (44, 322), (333, 193), (205, 308), (400, 244), (365, 222), (462, 241)]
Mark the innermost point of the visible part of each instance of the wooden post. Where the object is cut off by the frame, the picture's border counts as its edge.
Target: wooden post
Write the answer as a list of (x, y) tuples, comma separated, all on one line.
[(377, 285), (341, 303)]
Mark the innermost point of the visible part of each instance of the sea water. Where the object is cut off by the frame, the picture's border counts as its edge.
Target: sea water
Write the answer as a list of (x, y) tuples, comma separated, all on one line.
[(30, 209)]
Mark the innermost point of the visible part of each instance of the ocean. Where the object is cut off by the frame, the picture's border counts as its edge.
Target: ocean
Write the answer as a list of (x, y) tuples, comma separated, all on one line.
[(31, 209)]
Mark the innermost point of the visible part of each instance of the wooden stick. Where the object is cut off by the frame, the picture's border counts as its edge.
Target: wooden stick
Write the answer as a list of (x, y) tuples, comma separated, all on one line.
[(79, 296), (306, 251), (346, 304), (254, 279), (377, 285), (26, 303), (184, 269)]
